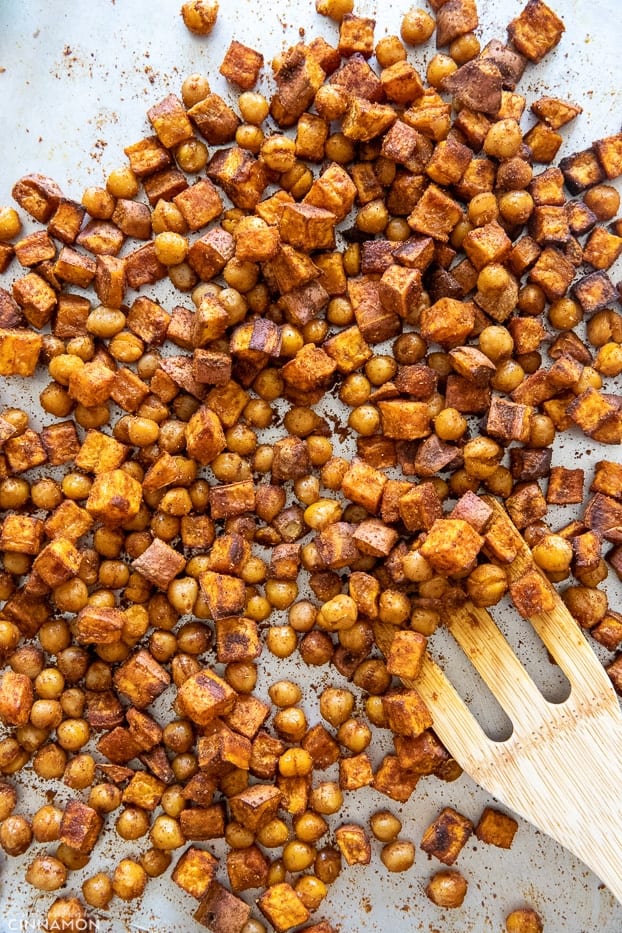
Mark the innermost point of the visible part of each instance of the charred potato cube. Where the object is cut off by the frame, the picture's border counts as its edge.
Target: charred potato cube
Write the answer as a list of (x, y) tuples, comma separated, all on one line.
[(241, 65), (536, 30), (115, 497), (532, 595), (446, 835), (141, 679), (80, 827)]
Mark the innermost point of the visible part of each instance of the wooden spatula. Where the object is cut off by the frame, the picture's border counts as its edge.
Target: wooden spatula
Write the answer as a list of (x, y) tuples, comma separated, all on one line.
[(561, 768)]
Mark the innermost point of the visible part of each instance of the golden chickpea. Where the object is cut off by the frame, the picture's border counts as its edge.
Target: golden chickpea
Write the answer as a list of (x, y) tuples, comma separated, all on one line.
[(166, 833), (373, 217), (105, 797), (278, 152), (330, 102), (253, 107), (167, 216), (486, 584), (46, 873), (302, 616), (191, 156), (122, 183), (15, 835), (336, 705), (170, 248), (338, 613), (298, 855), (483, 209), (194, 88), (274, 834), (338, 148), (285, 693), (281, 594), (553, 554), (295, 762), (334, 9), (129, 880), (398, 856), (326, 798), (50, 761), (503, 140), (310, 826), (447, 888), (516, 207), (73, 734), (390, 50), (253, 926), (417, 26), (10, 223), (355, 735), (311, 891), (200, 16), (603, 200), (97, 890), (587, 605), (8, 800), (464, 48), (385, 826), (155, 862), (440, 67), (365, 420), (523, 920), (508, 376), (394, 607), (98, 202), (291, 723), (322, 513), (67, 913), (327, 865), (132, 823), (46, 823)]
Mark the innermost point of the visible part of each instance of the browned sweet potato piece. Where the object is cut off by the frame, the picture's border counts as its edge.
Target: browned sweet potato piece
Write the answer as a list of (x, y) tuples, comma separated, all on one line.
[(496, 828), (446, 835), (536, 30), (241, 65)]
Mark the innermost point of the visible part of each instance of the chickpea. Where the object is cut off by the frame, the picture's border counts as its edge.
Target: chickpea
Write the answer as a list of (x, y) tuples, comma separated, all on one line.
[(398, 856), (253, 107), (129, 880), (8, 800), (46, 823), (155, 862), (464, 48), (253, 926), (553, 554), (166, 833), (327, 865), (191, 156), (338, 613), (390, 50), (97, 890), (326, 798), (310, 827), (336, 705), (15, 835), (132, 823), (200, 16), (486, 585), (10, 223), (105, 797), (523, 920), (417, 26), (503, 140), (122, 183), (603, 200), (298, 855), (440, 67), (295, 762), (355, 735), (46, 873), (290, 723), (334, 9), (278, 152), (447, 888), (587, 605), (67, 913), (281, 640), (285, 693), (50, 761), (170, 248)]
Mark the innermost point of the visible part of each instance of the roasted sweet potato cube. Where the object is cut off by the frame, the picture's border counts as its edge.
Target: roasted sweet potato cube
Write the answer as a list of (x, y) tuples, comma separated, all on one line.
[(307, 227), (199, 203), (420, 507), (24, 451), (112, 274), (609, 632), (115, 497), (242, 177), (21, 534), (60, 441), (255, 240), (406, 654), (170, 121), (376, 323), (222, 912), (448, 322), (16, 698), (404, 420), (400, 289), (255, 805), (222, 751), (355, 771), (247, 868), (99, 625), (100, 453), (237, 639), (532, 594), (118, 746), (205, 437), (487, 244), (365, 120), (608, 478), (311, 134), (451, 545), (594, 292), (164, 186), (128, 389), (39, 196), (144, 790), (406, 712), (509, 421), (209, 254), (526, 505), (265, 753), (394, 781), (68, 520), (454, 19), (291, 459), (365, 591), (203, 821), (356, 35), (34, 248), (375, 538), (311, 368), (353, 843), (147, 156), (19, 352), (406, 146), (159, 563), (204, 696), (194, 871), (476, 85), (211, 367), (133, 218), (225, 594), (496, 828), (74, 267), (435, 214), (241, 65), (448, 162), (80, 827), (423, 754), (609, 154), (336, 546), (348, 349), (445, 837), (363, 484), (141, 679), (552, 272), (322, 747), (591, 410), (58, 562), (333, 191), (36, 298), (602, 248), (536, 30), (215, 120), (581, 170), (401, 83), (565, 486), (299, 77), (247, 716), (91, 384), (101, 237)]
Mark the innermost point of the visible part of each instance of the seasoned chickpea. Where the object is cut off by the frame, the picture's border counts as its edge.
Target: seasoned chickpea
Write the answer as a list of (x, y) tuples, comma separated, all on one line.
[(67, 913), (200, 16), (310, 826), (46, 873), (278, 152), (129, 880), (449, 424), (298, 855), (587, 605), (295, 762), (73, 734), (487, 584), (385, 826), (464, 48), (166, 833), (170, 248), (503, 140), (98, 202), (338, 613), (15, 835), (355, 735), (8, 799), (285, 693), (46, 823), (97, 890), (523, 920), (365, 420), (327, 865), (398, 856), (483, 209), (122, 183), (132, 823), (603, 200), (440, 67), (447, 888), (194, 88), (254, 107), (105, 797), (326, 798), (155, 862), (516, 207), (390, 50), (565, 313), (338, 148), (290, 723), (334, 9), (10, 223), (336, 705), (417, 26), (393, 607)]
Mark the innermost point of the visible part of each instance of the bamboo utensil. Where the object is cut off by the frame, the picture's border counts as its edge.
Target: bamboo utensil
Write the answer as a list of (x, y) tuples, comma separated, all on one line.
[(561, 768)]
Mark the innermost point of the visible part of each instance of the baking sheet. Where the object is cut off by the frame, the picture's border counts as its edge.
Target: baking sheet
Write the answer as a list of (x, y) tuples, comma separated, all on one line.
[(75, 82)]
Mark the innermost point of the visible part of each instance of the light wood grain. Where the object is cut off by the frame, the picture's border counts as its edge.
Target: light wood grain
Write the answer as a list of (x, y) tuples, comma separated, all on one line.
[(561, 768)]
